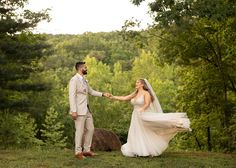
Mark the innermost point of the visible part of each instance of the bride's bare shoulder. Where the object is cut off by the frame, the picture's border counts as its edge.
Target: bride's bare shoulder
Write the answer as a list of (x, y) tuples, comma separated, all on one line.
[(146, 93)]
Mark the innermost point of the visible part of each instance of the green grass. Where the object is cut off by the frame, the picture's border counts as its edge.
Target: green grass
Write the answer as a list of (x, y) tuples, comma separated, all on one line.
[(30, 158)]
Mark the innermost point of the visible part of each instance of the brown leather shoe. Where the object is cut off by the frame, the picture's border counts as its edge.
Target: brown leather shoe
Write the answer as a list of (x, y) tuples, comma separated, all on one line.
[(80, 156), (89, 153)]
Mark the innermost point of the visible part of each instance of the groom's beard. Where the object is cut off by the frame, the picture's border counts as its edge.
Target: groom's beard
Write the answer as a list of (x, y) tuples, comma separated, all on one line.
[(84, 72)]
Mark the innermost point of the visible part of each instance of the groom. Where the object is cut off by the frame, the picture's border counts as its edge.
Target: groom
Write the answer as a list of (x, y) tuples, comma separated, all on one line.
[(80, 111)]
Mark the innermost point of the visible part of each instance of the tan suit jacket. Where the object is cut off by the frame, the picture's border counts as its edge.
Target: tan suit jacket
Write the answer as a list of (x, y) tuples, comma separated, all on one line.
[(78, 95)]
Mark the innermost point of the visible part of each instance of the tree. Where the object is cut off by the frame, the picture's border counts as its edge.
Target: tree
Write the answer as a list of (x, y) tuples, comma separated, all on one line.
[(52, 132), (197, 95), (17, 130), (201, 34), (196, 31), (19, 52)]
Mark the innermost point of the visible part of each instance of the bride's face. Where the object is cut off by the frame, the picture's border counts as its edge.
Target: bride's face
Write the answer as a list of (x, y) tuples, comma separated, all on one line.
[(138, 84)]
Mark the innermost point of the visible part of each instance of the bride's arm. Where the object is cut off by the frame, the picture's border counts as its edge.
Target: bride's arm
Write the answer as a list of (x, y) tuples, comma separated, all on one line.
[(124, 98), (147, 101)]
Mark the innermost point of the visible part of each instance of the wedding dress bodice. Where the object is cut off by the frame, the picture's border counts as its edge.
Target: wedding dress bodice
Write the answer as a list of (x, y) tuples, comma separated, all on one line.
[(138, 102)]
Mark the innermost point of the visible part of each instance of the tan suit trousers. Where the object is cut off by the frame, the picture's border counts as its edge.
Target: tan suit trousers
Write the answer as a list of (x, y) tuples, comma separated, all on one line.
[(84, 127)]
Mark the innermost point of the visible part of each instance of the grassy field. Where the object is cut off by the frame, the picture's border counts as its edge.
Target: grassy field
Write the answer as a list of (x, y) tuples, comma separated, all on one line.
[(65, 159)]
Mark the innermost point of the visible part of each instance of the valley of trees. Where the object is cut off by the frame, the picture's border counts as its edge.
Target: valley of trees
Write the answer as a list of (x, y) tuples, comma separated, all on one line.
[(188, 55)]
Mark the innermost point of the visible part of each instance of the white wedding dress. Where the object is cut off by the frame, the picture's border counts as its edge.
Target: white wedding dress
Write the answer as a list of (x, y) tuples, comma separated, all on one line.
[(150, 131)]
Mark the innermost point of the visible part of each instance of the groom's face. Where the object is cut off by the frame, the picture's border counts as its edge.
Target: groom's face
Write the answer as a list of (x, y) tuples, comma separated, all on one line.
[(84, 69)]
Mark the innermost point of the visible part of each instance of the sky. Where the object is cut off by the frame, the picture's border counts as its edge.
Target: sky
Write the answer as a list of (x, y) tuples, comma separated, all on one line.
[(79, 16)]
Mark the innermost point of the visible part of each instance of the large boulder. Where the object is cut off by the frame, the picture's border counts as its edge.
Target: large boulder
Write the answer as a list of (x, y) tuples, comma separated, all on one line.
[(105, 140)]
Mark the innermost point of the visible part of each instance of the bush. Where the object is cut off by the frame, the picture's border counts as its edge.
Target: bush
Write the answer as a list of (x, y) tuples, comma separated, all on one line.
[(17, 130), (53, 130)]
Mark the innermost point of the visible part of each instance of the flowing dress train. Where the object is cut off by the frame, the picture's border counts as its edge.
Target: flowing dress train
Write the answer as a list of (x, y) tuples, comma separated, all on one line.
[(150, 132)]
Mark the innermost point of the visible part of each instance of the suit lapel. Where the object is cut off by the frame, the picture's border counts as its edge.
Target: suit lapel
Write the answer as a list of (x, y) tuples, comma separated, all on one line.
[(83, 86), (84, 83)]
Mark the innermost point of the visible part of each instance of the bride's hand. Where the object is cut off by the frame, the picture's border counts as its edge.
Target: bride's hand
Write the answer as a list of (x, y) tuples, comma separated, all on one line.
[(141, 110), (112, 97)]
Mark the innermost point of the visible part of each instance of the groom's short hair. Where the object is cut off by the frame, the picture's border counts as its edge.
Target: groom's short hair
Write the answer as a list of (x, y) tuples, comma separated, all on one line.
[(79, 64)]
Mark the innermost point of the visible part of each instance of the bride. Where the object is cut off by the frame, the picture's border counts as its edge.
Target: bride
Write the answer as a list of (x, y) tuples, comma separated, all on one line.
[(150, 129)]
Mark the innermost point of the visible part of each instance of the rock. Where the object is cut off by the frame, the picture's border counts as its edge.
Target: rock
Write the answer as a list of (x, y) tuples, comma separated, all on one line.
[(105, 140)]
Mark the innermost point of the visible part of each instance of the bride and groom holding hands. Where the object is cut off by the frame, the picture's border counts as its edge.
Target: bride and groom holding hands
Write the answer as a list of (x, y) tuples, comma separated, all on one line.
[(150, 129)]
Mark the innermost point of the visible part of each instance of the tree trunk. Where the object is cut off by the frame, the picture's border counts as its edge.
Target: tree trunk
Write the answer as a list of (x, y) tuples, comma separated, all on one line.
[(198, 143), (209, 139)]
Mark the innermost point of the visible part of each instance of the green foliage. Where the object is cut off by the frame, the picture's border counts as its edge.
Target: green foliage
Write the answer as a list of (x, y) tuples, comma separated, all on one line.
[(52, 131), (107, 113), (14, 18), (199, 37), (202, 97), (17, 130), (26, 131), (19, 53), (168, 12), (160, 76), (105, 47)]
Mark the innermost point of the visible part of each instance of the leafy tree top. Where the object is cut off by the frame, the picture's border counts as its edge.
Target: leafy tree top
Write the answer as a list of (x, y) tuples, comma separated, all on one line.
[(14, 18)]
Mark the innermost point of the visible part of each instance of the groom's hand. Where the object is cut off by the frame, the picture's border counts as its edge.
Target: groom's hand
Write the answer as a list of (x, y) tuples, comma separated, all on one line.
[(107, 94), (74, 115)]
